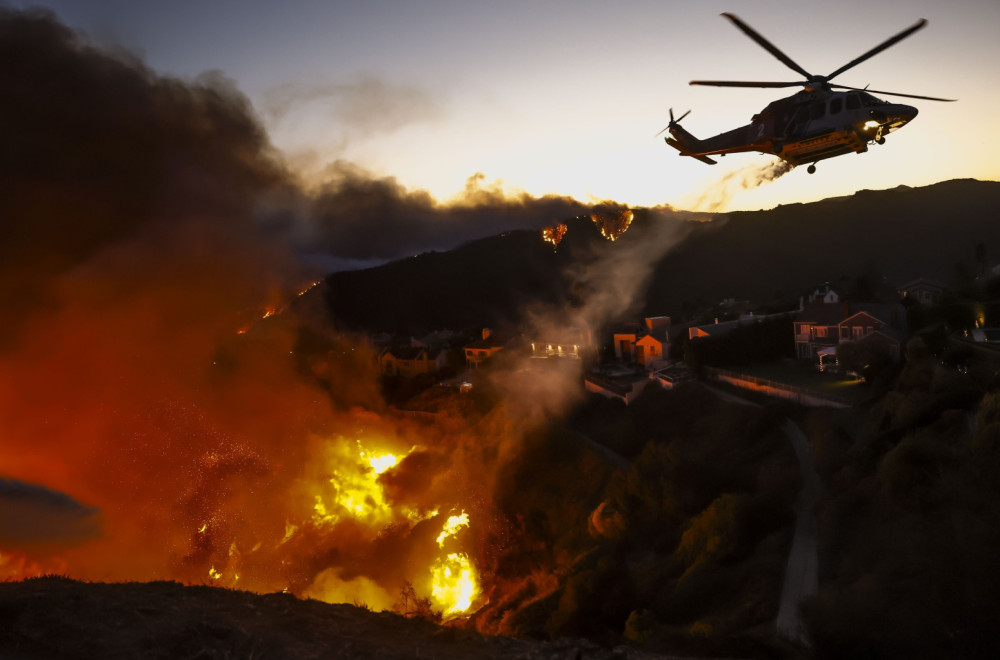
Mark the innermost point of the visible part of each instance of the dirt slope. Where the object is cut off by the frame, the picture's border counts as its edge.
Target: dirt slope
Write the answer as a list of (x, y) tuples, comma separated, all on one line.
[(54, 617)]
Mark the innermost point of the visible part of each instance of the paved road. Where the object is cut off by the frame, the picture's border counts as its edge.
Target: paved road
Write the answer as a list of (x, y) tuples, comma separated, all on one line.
[(802, 570)]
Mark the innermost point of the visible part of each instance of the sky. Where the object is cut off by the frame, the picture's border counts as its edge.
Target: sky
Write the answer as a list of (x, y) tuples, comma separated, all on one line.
[(566, 97)]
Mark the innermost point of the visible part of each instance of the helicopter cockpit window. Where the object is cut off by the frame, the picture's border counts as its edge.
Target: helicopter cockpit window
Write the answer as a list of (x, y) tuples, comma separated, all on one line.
[(817, 111), (869, 100), (836, 105), (853, 102)]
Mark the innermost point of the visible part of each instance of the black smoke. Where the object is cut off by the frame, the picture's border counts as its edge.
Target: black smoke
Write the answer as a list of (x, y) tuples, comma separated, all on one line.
[(98, 149)]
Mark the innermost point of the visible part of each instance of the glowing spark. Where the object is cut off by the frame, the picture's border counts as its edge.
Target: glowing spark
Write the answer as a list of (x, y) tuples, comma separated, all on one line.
[(308, 288), (214, 574), (201, 530)]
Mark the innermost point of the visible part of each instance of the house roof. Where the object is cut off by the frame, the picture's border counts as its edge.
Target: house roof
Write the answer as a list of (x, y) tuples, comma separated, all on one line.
[(489, 342), (828, 314), (836, 313), (922, 283), (404, 352), (648, 338)]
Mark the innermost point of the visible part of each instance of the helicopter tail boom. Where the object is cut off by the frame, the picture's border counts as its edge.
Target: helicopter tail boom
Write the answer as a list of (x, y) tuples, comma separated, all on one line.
[(686, 143)]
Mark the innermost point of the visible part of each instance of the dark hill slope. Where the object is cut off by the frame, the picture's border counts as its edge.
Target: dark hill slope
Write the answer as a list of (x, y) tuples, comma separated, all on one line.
[(488, 282), (898, 234)]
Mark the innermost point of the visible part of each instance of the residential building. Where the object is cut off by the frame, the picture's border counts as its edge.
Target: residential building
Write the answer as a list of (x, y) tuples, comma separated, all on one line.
[(646, 343), (821, 327), (573, 342), (410, 361), (923, 291), (482, 349)]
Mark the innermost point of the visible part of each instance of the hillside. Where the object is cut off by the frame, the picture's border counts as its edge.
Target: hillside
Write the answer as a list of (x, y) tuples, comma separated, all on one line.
[(55, 617), (765, 256), (896, 235)]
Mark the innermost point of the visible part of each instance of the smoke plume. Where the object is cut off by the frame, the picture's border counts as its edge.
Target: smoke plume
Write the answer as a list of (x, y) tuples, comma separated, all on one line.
[(153, 366), (719, 193)]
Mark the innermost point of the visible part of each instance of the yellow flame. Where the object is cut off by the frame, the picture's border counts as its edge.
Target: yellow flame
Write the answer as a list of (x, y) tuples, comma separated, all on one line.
[(382, 463), (354, 490), (214, 574), (453, 583), (451, 527), (453, 579)]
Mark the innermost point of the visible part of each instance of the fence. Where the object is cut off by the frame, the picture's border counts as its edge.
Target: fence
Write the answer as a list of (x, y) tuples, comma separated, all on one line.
[(772, 388)]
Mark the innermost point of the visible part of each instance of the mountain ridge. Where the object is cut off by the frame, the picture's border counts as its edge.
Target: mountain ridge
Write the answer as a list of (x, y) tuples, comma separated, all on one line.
[(768, 257)]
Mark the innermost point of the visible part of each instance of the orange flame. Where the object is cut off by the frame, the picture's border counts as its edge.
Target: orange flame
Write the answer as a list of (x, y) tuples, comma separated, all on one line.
[(613, 225)]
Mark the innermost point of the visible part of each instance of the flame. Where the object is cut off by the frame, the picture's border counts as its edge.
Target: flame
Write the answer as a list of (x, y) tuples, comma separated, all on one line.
[(354, 491), (554, 234), (613, 225), (451, 527), (454, 585)]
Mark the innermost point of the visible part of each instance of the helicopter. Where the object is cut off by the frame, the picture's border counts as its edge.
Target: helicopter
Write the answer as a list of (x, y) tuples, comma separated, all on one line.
[(813, 124)]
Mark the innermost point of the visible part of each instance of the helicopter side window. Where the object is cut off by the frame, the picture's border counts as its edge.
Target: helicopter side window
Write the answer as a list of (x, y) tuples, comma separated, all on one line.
[(853, 102), (817, 111), (836, 105)]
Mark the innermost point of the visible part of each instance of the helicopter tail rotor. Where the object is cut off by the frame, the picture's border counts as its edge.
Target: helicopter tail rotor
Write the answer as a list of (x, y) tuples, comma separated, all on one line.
[(673, 122)]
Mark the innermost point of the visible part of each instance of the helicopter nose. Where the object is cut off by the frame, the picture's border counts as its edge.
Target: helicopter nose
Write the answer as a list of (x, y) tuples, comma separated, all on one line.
[(905, 113)]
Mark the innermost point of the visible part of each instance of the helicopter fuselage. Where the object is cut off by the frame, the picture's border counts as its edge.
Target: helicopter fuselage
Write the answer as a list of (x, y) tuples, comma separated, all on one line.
[(804, 128)]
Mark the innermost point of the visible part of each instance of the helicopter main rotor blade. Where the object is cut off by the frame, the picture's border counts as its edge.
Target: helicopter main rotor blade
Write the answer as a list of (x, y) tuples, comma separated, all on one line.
[(878, 49), (909, 96), (767, 45), (736, 83)]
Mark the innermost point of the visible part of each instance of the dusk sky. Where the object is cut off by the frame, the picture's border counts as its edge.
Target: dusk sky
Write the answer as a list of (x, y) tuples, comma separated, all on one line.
[(566, 97)]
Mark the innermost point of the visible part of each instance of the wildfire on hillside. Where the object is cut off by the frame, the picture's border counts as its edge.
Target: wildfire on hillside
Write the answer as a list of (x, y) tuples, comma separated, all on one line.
[(612, 223), (554, 234)]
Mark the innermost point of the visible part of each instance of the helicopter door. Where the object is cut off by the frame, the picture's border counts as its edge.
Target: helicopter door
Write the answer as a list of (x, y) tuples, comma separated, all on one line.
[(798, 123)]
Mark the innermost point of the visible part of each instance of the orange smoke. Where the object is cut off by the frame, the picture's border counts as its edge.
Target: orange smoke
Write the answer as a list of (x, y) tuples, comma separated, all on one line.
[(212, 457)]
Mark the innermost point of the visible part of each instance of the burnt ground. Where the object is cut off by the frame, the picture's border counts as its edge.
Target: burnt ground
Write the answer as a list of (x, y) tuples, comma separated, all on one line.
[(56, 617)]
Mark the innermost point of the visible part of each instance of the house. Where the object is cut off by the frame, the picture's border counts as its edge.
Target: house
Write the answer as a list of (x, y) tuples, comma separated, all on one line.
[(925, 292), (482, 349), (821, 327), (646, 343), (410, 361), (574, 343)]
